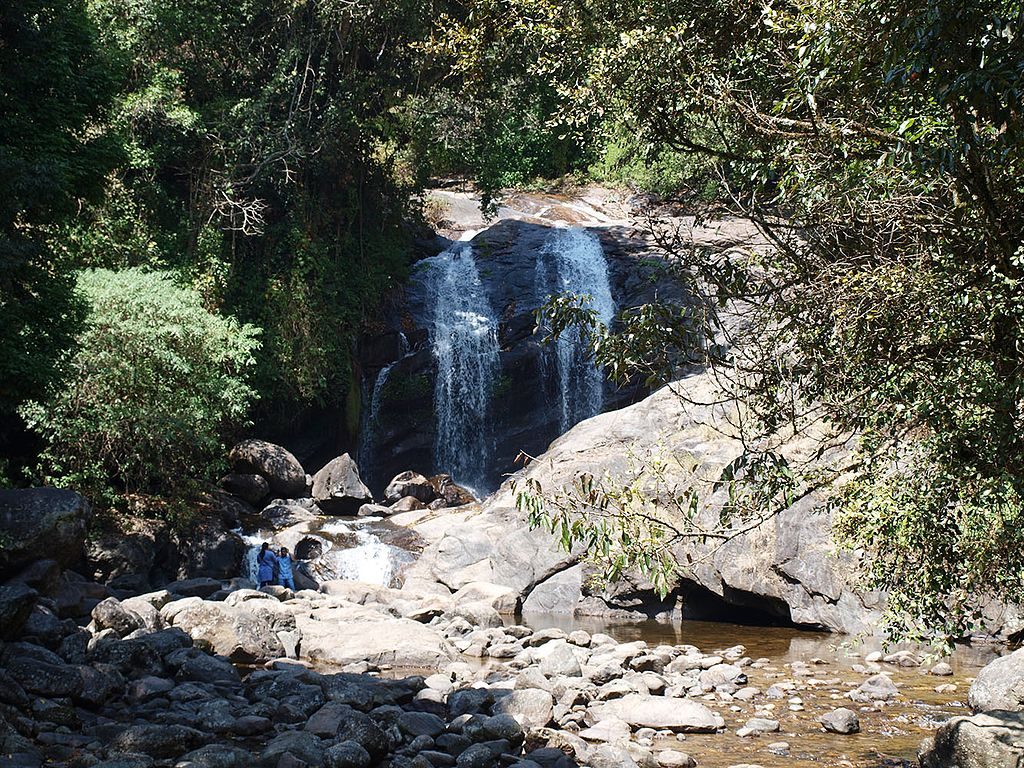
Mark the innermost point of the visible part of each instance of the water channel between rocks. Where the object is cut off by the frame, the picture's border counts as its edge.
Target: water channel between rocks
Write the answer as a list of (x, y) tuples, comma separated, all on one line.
[(890, 734), (819, 666)]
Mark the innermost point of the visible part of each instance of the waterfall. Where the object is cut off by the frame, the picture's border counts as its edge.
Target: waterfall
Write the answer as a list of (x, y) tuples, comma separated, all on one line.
[(370, 560), (464, 339), (370, 429), (336, 549), (366, 558), (583, 271), (250, 568)]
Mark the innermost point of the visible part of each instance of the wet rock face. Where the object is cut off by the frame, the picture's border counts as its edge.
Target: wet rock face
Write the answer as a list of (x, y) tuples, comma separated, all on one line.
[(38, 523), (525, 416)]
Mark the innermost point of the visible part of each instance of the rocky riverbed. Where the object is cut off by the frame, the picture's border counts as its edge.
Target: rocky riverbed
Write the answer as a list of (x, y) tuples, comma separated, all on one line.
[(210, 674), (443, 665)]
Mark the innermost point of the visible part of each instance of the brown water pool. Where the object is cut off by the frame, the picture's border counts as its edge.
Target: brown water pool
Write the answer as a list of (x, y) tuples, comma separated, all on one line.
[(890, 734)]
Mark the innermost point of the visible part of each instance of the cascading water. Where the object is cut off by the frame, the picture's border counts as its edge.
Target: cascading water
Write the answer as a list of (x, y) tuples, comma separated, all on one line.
[(370, 560), (336, 549), (464, 339), (583, 271), (370, 428), (250, 568)]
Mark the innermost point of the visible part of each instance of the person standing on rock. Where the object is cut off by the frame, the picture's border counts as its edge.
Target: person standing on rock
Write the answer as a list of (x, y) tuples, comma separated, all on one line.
[(284, 569), (267, 562)]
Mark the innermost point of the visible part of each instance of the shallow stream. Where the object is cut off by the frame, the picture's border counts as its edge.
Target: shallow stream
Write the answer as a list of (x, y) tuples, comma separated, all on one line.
[(890, 734)]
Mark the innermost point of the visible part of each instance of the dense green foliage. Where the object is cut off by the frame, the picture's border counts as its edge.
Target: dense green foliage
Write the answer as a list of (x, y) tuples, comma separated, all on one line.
[(155, 384), (255, 152), (890, 133), (54, 86), (264, 167)]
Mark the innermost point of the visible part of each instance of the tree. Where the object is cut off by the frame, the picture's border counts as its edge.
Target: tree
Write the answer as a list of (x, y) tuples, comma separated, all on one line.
[(55, 88), (879, 146), (154, 386), (267, 165)]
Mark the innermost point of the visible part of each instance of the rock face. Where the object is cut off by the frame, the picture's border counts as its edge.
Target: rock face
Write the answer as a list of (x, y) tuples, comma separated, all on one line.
[(989, 740), (279, 467), (147, 553), (338, 489), (515, 258), (38, 523), (1000, 685), (785, 570), (16, 602), (246, 486), (409, 484)]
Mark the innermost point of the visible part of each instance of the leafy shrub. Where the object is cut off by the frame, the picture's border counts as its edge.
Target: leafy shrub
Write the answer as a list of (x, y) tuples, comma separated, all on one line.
[(155, 383), (625, 158)]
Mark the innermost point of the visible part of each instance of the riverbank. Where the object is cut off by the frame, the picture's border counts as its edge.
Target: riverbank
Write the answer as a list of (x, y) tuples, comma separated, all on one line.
[(208, 674)]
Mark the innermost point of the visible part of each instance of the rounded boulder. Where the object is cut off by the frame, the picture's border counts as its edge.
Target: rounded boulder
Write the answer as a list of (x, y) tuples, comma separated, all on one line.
[(281, 469)]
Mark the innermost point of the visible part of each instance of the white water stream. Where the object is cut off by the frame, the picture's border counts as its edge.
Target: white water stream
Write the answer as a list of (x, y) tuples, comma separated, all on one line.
[(343, 549), (582, 270), (464, 341)]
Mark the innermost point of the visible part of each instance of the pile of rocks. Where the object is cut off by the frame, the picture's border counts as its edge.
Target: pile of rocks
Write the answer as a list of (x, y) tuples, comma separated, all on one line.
[(269, 476), (213, 674)]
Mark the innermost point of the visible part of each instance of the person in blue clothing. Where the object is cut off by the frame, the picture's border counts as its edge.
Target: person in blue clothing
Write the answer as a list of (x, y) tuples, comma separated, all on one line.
[(284, 569), (267, 562)]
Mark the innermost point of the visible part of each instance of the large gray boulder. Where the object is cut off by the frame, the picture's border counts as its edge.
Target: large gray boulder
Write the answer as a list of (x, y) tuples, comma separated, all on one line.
[(681, 715), (787, 568), (999, 685), (41, 523), (338, 489), (348, 633), (240, 635), (989, 740), (281, 469), (531, 707)]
